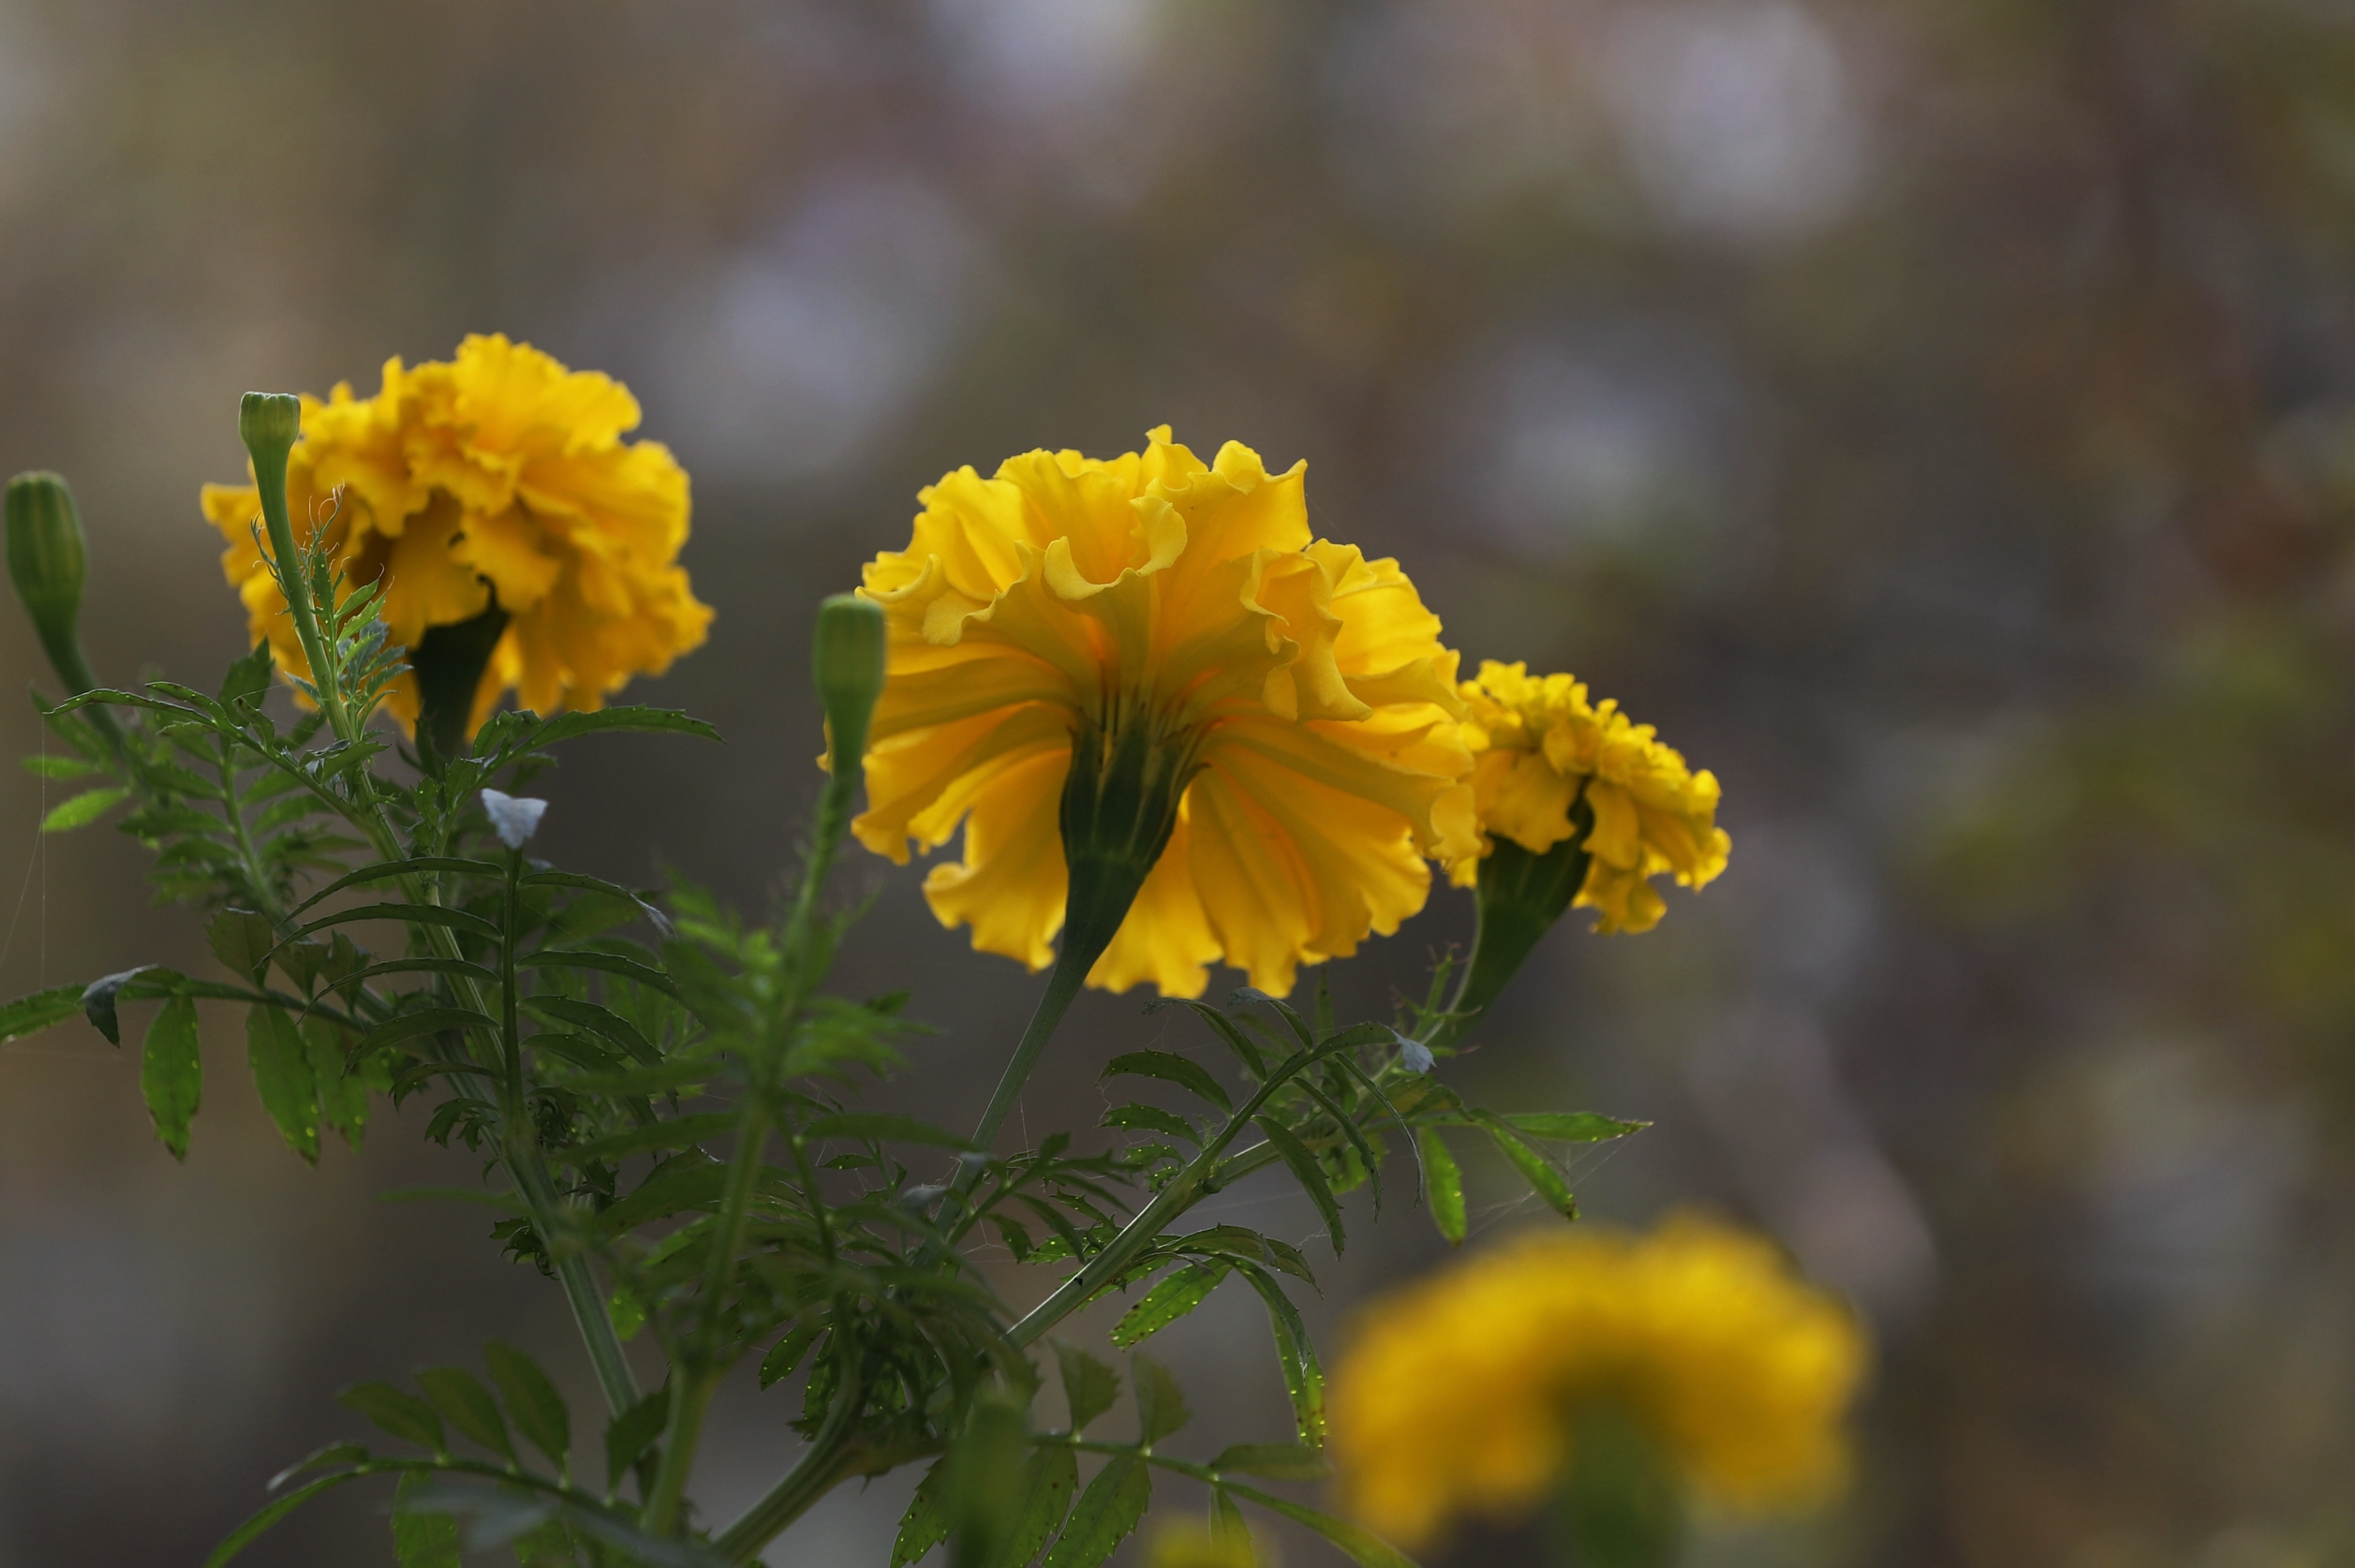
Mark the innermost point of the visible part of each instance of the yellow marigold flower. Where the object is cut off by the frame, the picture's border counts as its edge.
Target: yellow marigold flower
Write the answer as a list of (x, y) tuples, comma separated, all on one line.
[(1539, 743), (1299, 688), (500, 472), (1460, 1394)]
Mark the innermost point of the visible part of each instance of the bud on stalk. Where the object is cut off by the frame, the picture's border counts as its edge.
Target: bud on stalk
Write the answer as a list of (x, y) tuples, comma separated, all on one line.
[(847, 663), (46, 562)]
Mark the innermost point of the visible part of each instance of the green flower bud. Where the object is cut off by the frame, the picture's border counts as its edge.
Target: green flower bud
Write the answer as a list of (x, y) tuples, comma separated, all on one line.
[(847, 663), (268, 423), (46, 562)]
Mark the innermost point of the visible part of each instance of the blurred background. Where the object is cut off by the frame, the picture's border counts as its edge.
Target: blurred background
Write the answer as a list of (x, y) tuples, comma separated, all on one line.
[(1939, 420)]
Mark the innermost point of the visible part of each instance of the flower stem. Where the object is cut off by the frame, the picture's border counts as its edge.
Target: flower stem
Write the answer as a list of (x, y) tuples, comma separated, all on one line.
[(526, 1167), (820, 1468), (1062, 985)]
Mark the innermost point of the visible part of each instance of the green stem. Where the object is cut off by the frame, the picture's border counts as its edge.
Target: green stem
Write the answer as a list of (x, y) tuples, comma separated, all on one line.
[(270, 475), (697, 1379), (248, 856), (1182, 1193), (510, 1025), (529, 1171), (1062, 985), (526, 1167), (817, 1473)]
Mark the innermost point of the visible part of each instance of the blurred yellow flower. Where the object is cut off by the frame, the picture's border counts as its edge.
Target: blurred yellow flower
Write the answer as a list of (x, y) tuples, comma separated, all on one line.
[(1302, 689), (1189, 1546), (1459, 1393), (498, 472), (1538, 742)]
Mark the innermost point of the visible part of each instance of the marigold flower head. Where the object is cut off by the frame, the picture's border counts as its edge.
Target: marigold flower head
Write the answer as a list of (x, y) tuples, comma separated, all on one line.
[(1152, 604), (1540, 745), (1461, 1392), (498, 472)]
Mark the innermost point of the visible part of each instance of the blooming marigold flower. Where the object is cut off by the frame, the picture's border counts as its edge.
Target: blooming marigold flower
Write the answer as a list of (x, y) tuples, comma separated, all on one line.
[(496, 480), (1541, 748), (1462, 1392), (1177, 621)]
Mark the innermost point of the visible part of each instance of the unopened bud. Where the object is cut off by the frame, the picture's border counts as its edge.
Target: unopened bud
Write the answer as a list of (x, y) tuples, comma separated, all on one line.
[(847, 662), (268, 424), (45, 552), (46, 562)]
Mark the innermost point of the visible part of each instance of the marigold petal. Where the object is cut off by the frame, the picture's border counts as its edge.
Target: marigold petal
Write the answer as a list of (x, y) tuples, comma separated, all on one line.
[(1010, 885)]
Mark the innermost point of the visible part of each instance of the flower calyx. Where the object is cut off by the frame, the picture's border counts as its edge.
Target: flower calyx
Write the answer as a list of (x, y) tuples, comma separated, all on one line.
[(1119, 806)]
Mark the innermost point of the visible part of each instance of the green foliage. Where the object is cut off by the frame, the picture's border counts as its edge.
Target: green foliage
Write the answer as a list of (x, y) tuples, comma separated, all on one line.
[(664, 1096), (171, 1074)]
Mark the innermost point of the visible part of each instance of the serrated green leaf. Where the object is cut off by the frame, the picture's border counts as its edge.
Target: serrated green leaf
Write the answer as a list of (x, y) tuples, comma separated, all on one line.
[(1542, 1177), (282, 1073), (924, 1526), (1369, 1157), (611, 963), (1277, 1461), (883, 1126), (785, 1355), (1160, 1405), (397, 1412), (422, 1539), (55, 765), (41, 1009), (171, 1074), (407, 914), (393, 871), (247, 678), (1151, 1119), (670, 721), (685, 1181), (343, 1092), (1226, 1522), (1303, 1377), (602, 1022), (467, 1405), (1178, 1292), (258, 1522), (1089, 1386), (655, 917), (424, 1020), (1311, 1177), (532, 1399), (1363, 1547), (83, 809), (1254, 1060), (1050, 1479), (1442, 1186), (1111, 1506), (1171, 1068), (629, 1434), (1572, 1127)]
